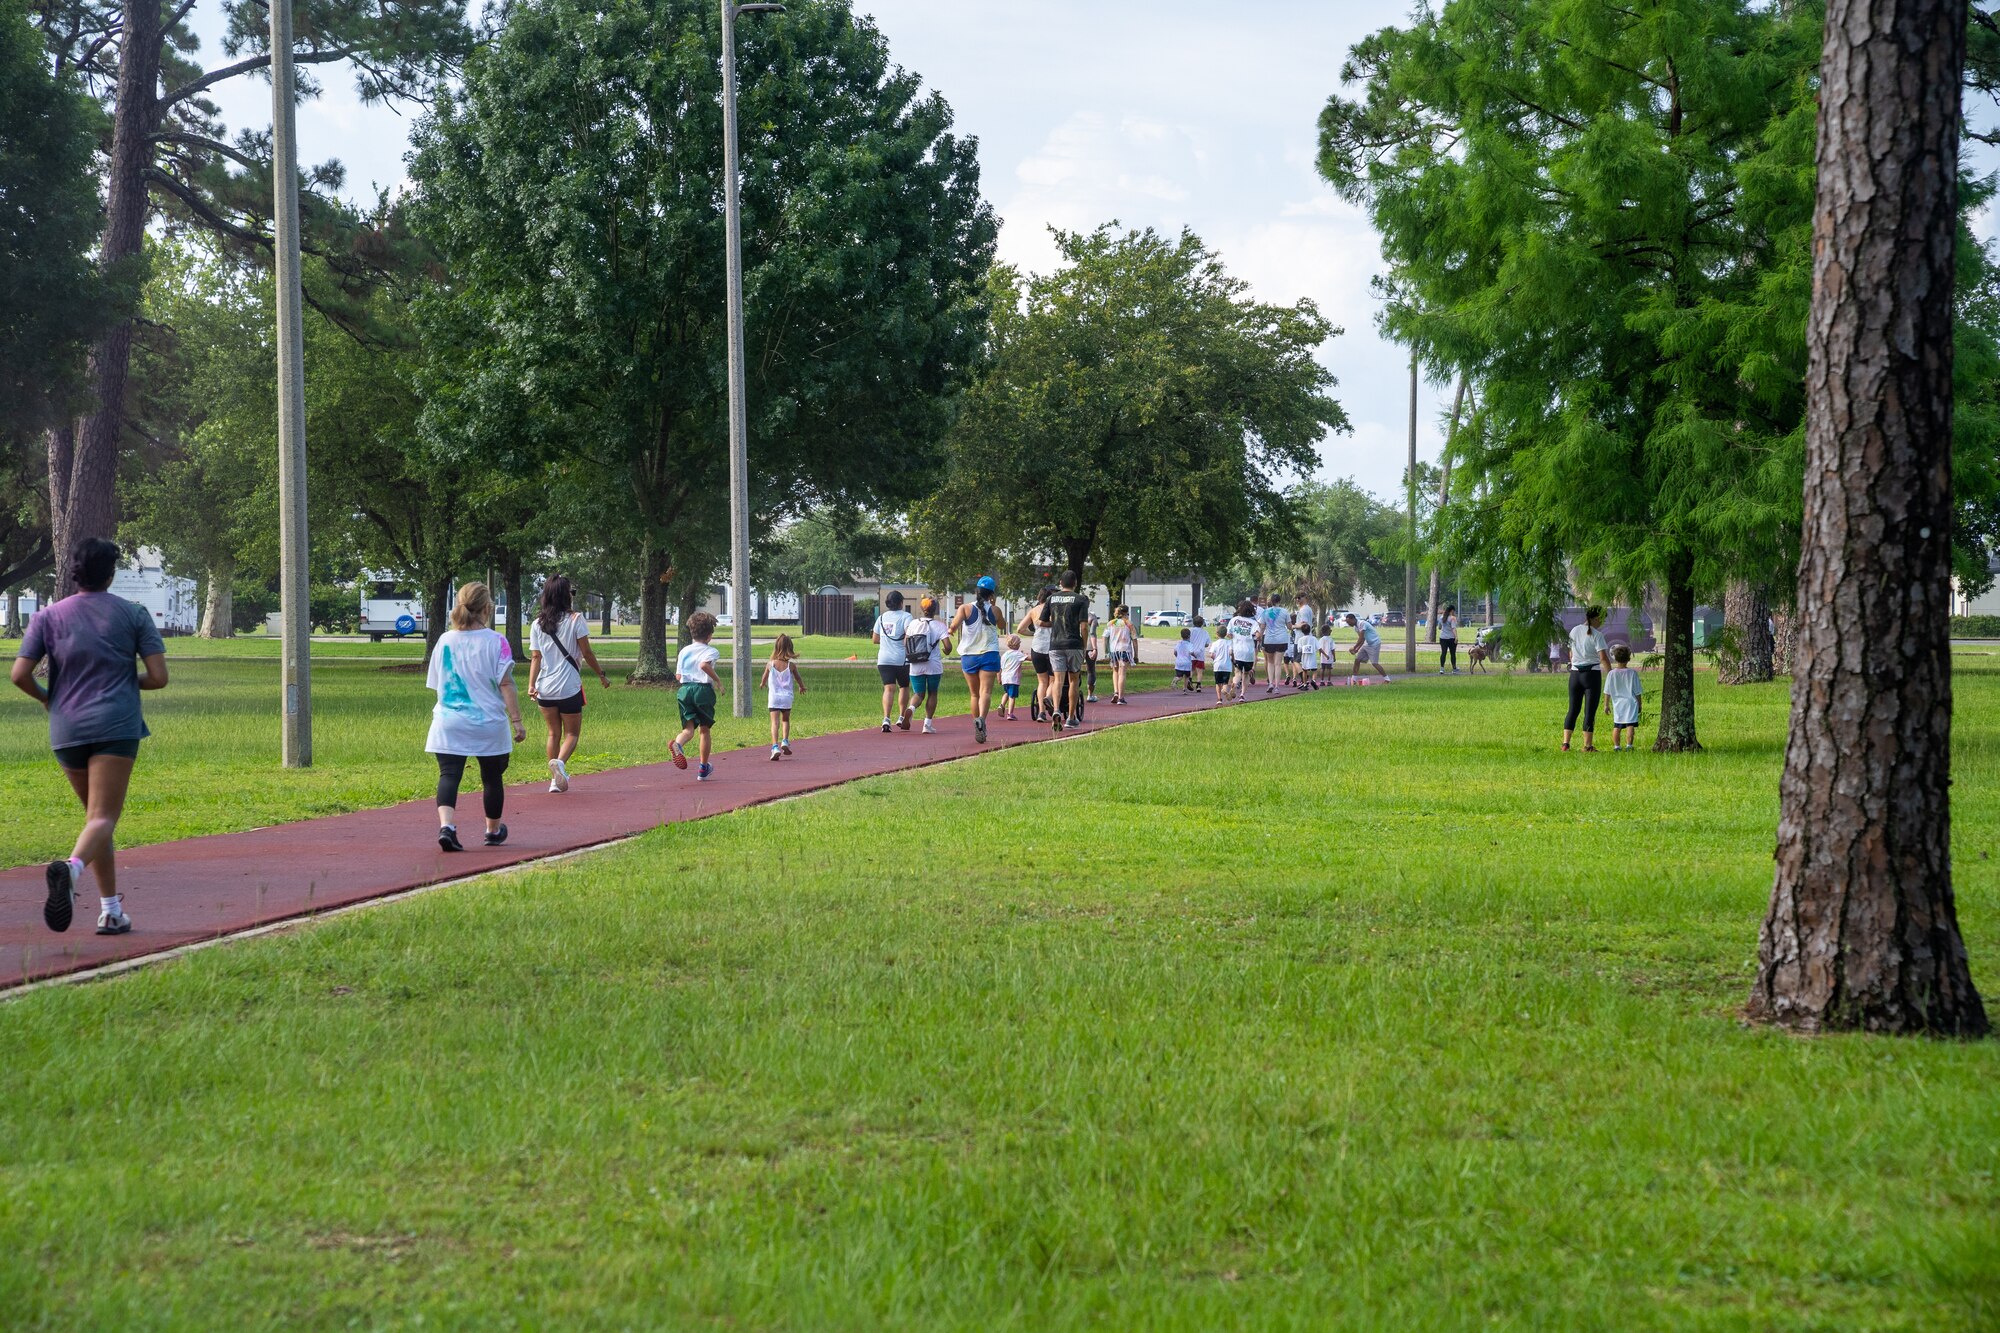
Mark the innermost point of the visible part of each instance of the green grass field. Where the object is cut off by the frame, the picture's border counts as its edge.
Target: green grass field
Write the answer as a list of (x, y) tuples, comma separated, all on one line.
[(1364, 1009)]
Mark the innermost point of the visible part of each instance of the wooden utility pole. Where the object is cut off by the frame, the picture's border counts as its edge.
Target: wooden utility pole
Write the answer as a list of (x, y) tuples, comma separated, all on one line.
[(1410, 563), (1862, 930)]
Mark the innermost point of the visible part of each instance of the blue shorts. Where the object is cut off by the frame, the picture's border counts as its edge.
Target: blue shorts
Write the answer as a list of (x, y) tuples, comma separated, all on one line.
[(1013, 691), (978, 662), (922, 685)]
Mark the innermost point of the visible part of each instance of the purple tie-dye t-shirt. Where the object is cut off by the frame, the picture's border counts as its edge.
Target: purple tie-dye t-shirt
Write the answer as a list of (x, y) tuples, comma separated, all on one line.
[(93, 641)]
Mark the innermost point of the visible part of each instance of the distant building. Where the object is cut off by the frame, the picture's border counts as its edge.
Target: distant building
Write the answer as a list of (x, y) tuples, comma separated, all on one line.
[(1986, 604)]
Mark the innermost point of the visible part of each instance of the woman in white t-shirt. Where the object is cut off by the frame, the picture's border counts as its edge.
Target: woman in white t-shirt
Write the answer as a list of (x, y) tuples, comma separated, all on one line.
[(892, 661), (558, 647), (478, 713), (1589, 659)]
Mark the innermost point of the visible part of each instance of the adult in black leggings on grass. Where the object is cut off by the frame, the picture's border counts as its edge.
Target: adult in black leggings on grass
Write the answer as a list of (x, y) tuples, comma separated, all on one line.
[(1589, 659)]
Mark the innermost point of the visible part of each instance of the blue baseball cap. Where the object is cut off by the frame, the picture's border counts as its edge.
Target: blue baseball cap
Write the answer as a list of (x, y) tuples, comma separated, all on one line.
[(985, 583)]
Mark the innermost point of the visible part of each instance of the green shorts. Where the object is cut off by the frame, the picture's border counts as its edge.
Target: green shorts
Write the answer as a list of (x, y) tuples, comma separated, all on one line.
[(697, 703)]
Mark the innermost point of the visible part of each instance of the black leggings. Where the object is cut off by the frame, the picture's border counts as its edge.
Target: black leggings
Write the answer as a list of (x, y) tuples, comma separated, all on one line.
[(492, 784), (1586, 687), (1448, 652), (1090, 670)]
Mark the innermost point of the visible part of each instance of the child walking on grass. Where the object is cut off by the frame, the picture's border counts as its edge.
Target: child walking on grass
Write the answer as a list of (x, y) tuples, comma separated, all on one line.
[(781, 681), (695, 669), (1622, 687)]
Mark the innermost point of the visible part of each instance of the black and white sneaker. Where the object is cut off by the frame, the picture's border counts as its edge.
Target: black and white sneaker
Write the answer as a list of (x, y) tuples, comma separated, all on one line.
[(448, 840), (979, 729), (113, 923), (60, 908), (497, 836)]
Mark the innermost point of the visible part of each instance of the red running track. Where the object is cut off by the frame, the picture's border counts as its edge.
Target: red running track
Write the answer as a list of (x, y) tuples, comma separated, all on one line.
[(201, 888)]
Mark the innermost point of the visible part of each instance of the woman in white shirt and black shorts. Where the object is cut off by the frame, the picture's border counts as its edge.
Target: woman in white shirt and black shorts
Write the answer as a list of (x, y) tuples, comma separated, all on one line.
[(1589, 659), (558, 646)]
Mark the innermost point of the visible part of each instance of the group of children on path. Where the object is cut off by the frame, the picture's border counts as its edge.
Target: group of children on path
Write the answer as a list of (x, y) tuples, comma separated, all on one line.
[(86, 645)]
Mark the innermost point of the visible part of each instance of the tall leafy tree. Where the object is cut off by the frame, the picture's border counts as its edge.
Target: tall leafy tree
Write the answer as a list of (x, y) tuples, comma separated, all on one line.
[(1559, 186), (1136, 407), (573, 188), (165, 150), (51, 299), (203, 403)]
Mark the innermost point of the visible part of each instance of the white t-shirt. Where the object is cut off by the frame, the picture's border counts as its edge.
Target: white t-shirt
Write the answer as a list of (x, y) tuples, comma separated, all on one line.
[(1183, 656), (1219, 654), (1448, 627), (1277, 626), (778, 688), (1198, 636), (1243, 635), (934, 634), (1010, 666), (1118, 637), (1326, 646), (892, 625), (559, 680), (1308, 652), (1623, 689), (1041, 640), (466, 669), (1585, 644), (688, 666), (1304, 618)]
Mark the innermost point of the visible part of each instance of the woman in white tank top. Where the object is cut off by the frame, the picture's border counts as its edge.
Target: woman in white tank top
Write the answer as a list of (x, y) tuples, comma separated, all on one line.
[(975, 628)]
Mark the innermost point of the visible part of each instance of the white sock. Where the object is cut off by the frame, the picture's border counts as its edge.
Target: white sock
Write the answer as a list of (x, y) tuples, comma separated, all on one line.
[(114, 905), (75, 870)]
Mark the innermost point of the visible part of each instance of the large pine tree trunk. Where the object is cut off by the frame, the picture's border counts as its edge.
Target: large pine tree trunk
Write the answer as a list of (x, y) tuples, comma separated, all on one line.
[(656, 665), (1676, 730), (1862, 930), (1746, 611), (218, 609), (83, 500)]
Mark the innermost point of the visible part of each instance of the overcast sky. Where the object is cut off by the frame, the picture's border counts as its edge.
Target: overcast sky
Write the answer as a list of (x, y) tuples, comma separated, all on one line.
[(1162, 113)]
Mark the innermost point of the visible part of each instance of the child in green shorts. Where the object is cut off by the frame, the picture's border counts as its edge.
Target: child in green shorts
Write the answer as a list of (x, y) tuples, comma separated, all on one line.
[(695, 668)]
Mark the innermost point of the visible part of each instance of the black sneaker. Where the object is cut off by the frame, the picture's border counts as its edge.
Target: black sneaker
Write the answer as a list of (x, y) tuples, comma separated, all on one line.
[(497, 836), (448, 840), (61, 904)]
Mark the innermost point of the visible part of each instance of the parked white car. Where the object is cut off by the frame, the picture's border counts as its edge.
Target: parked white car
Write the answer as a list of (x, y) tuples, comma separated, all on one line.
[(1169, 619)]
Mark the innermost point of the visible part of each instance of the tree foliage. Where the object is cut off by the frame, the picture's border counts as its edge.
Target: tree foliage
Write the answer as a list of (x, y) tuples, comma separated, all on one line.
[(1136, 408), (572, 189)]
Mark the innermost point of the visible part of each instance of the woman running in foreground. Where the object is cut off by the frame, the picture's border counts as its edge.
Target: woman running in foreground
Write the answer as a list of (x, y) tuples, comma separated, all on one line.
[(89, 639)]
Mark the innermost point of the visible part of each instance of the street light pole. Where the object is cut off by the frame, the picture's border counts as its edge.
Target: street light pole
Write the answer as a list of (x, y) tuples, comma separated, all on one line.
[(294, 577), (739, 454), (1410, 561)]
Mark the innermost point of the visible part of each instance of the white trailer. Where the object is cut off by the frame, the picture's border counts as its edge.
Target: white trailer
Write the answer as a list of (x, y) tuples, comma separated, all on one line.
[(390, 608), (169, 598)]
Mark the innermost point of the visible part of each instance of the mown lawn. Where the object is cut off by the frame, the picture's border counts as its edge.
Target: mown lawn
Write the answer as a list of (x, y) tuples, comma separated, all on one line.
[(1364, 1009), (212, 763)]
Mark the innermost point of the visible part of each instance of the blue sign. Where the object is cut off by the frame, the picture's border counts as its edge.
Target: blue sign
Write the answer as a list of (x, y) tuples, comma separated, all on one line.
[(406, 624)]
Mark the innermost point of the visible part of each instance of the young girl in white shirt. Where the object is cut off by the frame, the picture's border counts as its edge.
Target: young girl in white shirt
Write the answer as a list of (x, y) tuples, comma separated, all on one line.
[(781, 683)]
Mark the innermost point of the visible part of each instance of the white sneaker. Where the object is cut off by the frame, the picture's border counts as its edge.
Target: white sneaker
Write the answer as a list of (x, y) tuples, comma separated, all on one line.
[(929, 730), (558, 776), (113, 923), (1090, 698)]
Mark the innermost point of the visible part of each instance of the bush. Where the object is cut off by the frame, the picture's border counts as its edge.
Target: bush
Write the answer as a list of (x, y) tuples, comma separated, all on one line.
[(1975, 627)]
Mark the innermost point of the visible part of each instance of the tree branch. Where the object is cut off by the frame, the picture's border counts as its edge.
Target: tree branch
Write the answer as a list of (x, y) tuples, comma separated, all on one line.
[(227, 72)]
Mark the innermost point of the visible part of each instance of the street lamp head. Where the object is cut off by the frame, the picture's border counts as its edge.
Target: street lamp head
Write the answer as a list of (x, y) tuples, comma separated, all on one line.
[(759, 9)]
